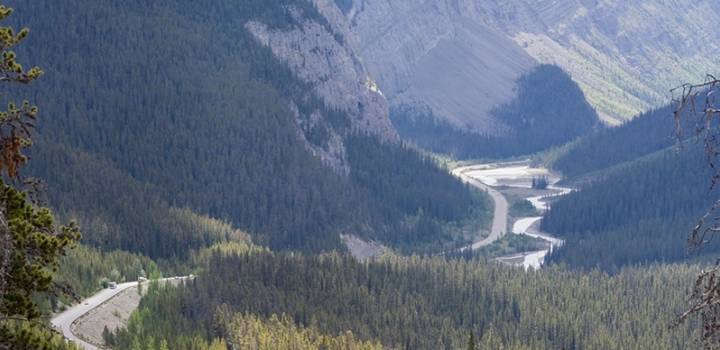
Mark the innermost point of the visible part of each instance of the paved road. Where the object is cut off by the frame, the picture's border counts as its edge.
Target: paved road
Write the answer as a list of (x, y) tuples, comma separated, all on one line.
[(511, 173), (63, 321), (500, 215)]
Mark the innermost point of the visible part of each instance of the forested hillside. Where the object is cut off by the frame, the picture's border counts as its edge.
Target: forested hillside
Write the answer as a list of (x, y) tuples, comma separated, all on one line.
[(549, 110), (165, 115), (419, 303), (186, 141), (389, 172), (641, 193), (643, 135), (640, 212)]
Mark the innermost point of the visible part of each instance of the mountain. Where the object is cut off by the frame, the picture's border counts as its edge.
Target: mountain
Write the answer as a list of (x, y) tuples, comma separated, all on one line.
[(160, 120), (549, 110), (318, 51), (246, 145), (640, 193), (460, 57), (645, 134), (639, 212)]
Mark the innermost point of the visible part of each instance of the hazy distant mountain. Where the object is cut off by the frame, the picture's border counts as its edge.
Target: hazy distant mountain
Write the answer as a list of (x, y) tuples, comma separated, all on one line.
[(549, 110), (461, 57)]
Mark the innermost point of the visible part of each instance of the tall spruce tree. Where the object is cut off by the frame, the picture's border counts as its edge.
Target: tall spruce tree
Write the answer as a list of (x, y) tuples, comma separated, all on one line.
[(30, 241)]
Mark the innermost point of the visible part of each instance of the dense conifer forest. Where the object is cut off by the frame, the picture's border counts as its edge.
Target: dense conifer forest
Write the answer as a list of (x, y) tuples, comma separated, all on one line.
[(647, 133), (641, 192), (149, 118), (637, 213), (419, 303), (174, 139)]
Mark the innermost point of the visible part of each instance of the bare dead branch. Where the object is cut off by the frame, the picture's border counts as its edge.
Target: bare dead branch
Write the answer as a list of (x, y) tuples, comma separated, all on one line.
[(697, 103)]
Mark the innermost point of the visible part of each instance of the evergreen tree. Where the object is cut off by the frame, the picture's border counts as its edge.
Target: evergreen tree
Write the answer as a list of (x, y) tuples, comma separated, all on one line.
[(30, 242), (412, 303), (633, 214), (108, 337), (540, 182), (216, 131), (471, 342)]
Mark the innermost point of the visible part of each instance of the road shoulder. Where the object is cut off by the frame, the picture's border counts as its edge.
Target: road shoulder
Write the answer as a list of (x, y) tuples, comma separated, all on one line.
[(112, 314)]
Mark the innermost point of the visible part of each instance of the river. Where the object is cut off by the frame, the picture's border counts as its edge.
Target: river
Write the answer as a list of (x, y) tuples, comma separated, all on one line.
[(517, 175)]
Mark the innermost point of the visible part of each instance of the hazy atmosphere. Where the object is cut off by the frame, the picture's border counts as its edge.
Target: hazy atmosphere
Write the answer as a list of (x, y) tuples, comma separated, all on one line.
[(359, 174)]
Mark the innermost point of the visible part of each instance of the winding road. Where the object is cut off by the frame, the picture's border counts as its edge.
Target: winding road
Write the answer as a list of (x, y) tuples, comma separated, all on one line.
[(63, 321), (500, 215), (512, 174)]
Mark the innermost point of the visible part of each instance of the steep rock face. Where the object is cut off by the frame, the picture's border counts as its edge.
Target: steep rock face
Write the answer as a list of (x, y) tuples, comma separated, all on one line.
[(424, 52), (321, 55), (460, 57)]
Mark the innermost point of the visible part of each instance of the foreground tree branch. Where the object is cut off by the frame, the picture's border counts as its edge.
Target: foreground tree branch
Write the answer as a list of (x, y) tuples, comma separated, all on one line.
[(31, 243), (696, 105)]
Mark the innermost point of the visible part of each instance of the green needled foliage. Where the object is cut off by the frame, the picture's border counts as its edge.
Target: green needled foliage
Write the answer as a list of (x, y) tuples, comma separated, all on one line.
[(471, 342), (16, 122), (36, 247), (636, 213), (419, 303), (213, 123), (30, 242)]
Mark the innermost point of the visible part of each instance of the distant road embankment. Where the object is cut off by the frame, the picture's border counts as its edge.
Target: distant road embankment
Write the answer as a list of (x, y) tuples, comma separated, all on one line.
[(63, 321)]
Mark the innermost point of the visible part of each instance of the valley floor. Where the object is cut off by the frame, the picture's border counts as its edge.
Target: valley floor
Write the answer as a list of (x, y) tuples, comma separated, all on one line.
[(514, 175)]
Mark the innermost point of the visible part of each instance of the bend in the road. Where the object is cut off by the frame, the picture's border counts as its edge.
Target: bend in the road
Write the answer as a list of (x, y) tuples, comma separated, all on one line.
[(64, 321), (500, 213), (522, 225)]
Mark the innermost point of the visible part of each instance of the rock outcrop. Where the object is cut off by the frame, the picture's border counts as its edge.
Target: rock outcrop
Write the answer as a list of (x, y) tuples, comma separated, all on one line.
[(321, 54), (425, 52)]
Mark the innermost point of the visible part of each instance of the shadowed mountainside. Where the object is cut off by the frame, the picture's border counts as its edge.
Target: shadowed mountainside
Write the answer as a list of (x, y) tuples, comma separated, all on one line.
[(624, 54)]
